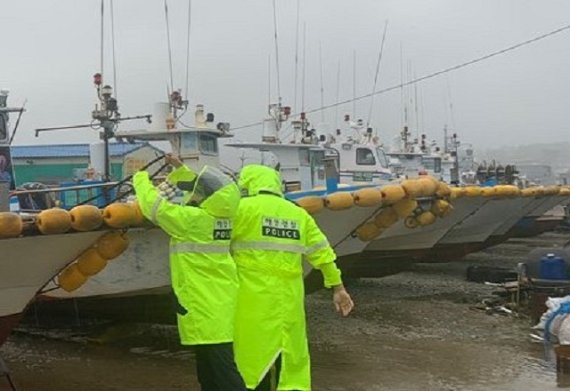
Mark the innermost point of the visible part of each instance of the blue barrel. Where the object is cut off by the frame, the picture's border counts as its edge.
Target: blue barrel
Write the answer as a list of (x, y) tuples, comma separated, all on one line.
[(553, 267)]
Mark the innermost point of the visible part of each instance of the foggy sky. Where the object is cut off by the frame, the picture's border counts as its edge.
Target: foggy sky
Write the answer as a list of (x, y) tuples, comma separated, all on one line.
[(51, 49)]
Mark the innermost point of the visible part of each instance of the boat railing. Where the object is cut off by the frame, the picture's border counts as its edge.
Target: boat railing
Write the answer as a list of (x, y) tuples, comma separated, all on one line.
[(34, 197)]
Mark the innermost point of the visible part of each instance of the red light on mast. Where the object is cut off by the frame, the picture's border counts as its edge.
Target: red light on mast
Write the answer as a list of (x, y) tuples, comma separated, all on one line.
[(303, 116), (287, 110), (97, 79)]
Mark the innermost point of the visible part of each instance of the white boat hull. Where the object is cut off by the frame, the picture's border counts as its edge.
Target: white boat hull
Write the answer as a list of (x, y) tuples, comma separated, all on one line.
[(144, 266)]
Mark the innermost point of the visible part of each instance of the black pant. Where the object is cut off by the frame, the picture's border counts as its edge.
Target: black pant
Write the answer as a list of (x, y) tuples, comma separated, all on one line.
[(271, 380), (217, 370)]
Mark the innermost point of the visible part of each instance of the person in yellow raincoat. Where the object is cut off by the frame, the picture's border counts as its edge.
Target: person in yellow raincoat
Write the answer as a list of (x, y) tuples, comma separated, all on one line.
[(203, 273), (270, 239)]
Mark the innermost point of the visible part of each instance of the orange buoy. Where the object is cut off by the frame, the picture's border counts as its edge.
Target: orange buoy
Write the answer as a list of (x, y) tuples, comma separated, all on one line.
[(428, 186), (440, 208), (85, 218), (339, 200), (371, 196), (313, 205), (112, 244), (425, 218), (53, 221), (488, 191), (71, 278), (457, 192), (472, 191), (386, 218), (443, 190), (139, 217), (529, 192), (11, 225), (564, 191), (405, 207), (91, 262), (392, 194), (413, 188), (368, 231), (119, 215)]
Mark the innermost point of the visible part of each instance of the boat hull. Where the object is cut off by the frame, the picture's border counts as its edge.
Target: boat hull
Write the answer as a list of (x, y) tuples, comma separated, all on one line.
[(28, 264)]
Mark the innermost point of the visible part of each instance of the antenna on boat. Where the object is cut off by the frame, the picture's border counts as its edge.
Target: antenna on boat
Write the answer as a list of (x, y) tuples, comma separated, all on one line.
[(276, 51), (381, 51), (113, 47), (296, 54), (187, 91), (354, 84), (322, 83), (304, 66), (337, 93)]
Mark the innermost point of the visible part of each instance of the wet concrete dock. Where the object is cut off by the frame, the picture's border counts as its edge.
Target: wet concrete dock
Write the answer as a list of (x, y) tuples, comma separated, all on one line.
[(417, 330)]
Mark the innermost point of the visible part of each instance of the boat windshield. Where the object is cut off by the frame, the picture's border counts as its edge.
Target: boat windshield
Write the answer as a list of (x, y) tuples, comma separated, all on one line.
[(382, 158)]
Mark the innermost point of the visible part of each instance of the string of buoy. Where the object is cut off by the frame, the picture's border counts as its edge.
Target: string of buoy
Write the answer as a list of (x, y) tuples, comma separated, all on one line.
[(419, 202), (118, 216)]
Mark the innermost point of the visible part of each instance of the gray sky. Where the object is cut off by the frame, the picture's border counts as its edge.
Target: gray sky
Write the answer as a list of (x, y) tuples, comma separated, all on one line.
[(51, 50)]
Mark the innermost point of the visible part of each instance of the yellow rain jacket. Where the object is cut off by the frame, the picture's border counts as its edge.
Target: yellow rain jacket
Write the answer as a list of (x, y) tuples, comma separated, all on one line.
[(203, 273), (270, 239)]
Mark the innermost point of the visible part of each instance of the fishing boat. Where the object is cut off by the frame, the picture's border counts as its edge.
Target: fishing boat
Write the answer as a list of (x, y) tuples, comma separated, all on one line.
[(27, 263)]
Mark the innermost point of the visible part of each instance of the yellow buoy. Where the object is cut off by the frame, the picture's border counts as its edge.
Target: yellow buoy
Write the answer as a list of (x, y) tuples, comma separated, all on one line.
[(472, 191), (564, 191), (91, 262), (368, 232), (529, 192), (71, 278), (405, 207), (53, 221), (443, 190), (392, 194), (112, 244), (339, 201), (413, 188), (386, 218), (551, 190), (488, 191), (85, 218), (119, 215), (313, 205), (10, 225), (425, 218), (440, 208), (371, 196), (428, 186), (139, 217), (457, 192)]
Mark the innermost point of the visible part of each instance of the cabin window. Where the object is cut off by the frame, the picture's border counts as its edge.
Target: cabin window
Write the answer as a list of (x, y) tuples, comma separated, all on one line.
[(189, 140), (304, 157), (208, 144), (432, 164), (365, 157)]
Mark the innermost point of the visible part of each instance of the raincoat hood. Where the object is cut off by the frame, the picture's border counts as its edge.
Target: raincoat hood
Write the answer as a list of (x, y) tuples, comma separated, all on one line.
[(224, 200), (255, 178)]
